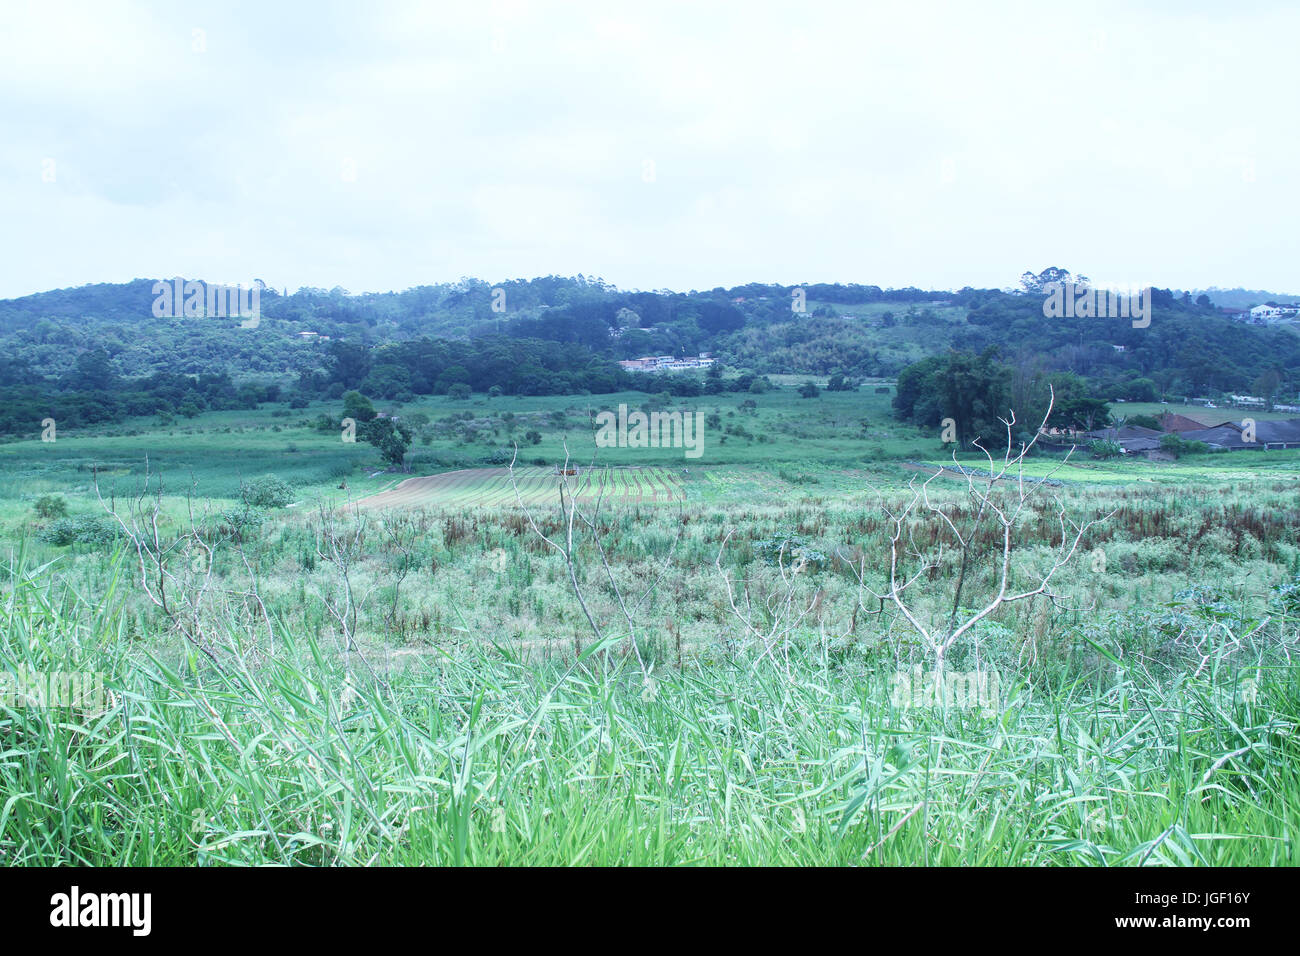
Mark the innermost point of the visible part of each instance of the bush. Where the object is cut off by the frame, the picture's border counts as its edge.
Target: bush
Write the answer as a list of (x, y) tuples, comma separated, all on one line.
[(1177, 446), (51, 506), (269, 491), (81, 529), (787, 549), (243, 519)]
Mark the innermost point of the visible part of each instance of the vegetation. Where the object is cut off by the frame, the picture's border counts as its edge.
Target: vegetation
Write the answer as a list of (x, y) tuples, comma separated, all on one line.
[(470, 636), (97, 355)]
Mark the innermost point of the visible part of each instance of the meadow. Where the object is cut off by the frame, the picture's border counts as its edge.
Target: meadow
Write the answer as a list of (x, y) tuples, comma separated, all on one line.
[(349, 679)]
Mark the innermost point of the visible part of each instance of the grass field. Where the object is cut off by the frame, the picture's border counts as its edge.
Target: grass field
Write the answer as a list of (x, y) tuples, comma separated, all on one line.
[(397, 668), (1223, 469), (1198, 413)]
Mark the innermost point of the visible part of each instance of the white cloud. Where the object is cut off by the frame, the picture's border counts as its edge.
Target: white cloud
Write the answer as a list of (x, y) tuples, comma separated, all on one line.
[(924, 144)]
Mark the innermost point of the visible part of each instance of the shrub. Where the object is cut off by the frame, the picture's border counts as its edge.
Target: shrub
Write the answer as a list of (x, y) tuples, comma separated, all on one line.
[(51, 506), (1177, 446), (788, 549), (243, 519), (269, 491), (80, 529)]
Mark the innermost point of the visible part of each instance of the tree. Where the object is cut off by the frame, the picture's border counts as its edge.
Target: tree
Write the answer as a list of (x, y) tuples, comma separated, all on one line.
[(389, 437), (94, 371), (358, 407), (809, 390), (459, 392), (968, 388), (1267, 384)]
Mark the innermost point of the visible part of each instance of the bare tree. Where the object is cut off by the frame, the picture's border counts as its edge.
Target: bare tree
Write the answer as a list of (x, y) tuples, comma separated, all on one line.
[(176, 570), (582, 494), (1000, 500), (775, 617), (343, 547)]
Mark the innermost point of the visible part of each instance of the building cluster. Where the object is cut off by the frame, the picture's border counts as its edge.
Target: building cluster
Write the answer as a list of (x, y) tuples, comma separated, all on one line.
[(1264, 314), (1246, 435), (667, 363)]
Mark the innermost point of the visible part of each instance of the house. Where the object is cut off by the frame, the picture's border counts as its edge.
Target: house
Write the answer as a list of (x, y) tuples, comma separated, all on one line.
[(1268, 313), (666, 363)]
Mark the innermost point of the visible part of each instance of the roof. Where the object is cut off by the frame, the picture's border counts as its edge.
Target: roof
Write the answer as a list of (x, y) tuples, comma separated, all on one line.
[(1225, 436), (1287, 430), (1179, 423), (1126, 433)]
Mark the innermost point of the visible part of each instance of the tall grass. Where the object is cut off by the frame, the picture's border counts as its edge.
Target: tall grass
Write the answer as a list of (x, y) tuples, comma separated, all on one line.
[(468, 754)]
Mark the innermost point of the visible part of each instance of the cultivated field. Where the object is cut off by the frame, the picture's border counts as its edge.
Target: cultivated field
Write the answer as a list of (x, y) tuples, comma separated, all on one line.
[(486, 487)]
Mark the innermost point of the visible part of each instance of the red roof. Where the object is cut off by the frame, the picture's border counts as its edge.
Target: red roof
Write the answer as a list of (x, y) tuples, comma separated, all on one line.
[(1179, 423)]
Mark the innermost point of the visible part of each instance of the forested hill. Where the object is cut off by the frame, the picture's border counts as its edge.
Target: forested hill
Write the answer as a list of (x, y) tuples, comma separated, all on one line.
[(555, 334)]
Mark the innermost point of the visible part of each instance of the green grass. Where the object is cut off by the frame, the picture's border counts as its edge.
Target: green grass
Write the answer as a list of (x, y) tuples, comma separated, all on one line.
[(470, 756), (1198, 413), (476, 718), (1224, 468)]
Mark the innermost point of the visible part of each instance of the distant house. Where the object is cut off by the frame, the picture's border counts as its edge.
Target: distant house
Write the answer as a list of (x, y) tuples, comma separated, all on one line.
[(666, 363), (1233, 435), (1273, 313), (1227, 436)]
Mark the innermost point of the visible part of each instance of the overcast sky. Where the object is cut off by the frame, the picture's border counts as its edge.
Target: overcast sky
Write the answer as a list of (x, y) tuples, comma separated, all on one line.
[(379, 146)]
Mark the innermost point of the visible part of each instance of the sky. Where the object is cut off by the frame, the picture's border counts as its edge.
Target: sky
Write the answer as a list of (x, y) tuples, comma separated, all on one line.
[(378, 146)]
